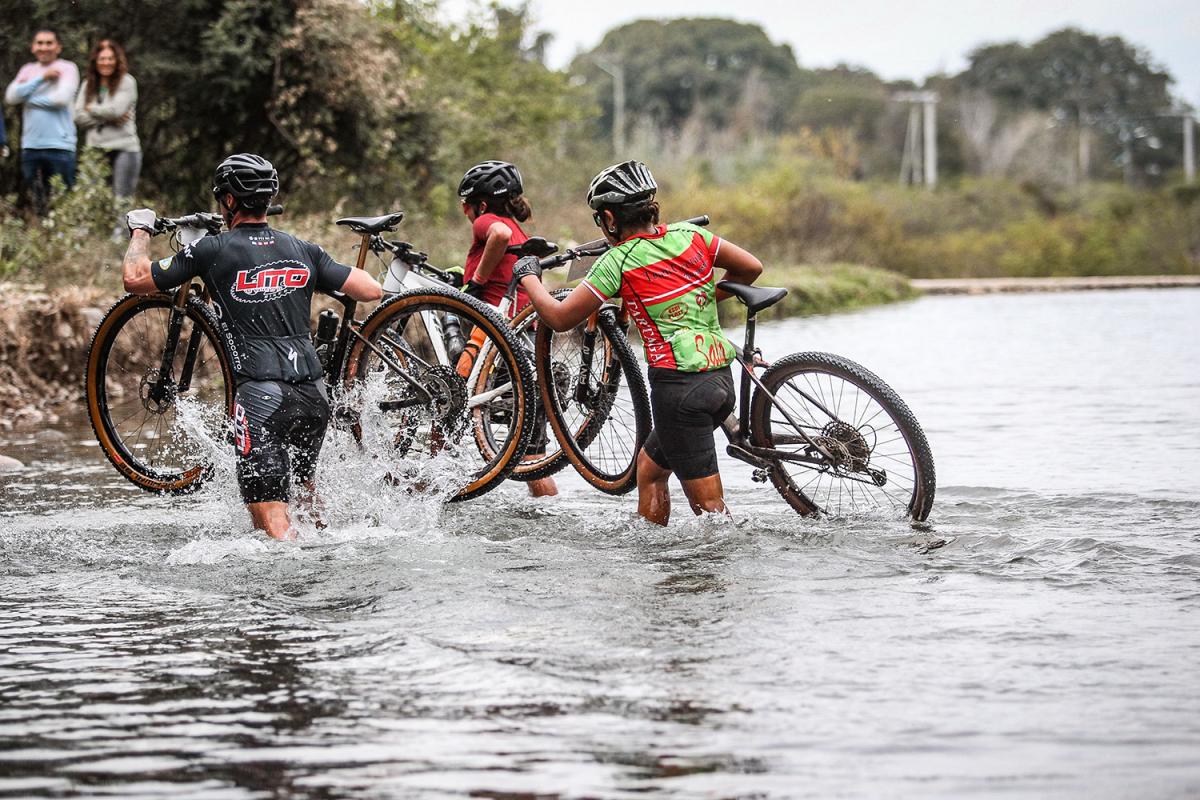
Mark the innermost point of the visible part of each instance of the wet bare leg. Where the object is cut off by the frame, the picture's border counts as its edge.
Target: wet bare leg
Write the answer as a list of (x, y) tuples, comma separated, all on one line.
[(273, 518), (706, 494), (654, 496), (542, 487)]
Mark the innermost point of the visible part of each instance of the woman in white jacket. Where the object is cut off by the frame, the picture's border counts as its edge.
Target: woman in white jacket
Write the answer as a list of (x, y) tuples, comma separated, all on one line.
[(106, 109)]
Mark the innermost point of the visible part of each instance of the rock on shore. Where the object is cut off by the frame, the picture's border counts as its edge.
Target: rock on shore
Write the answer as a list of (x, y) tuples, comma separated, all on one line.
[(44, 337)]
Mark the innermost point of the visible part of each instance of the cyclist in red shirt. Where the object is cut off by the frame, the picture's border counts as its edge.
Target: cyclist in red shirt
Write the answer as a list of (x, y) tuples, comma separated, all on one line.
[(493, 199)]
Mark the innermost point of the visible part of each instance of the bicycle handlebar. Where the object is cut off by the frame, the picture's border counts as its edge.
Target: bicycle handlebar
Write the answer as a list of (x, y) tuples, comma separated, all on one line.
[(414, 258), (598, 247), (202, 219)]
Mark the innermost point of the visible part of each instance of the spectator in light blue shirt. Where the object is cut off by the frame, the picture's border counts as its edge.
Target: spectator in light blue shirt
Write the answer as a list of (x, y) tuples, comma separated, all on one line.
[(46, 88)]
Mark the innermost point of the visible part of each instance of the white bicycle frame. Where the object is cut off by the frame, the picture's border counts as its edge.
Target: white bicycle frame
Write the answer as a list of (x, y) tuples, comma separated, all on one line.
[(402, 277)]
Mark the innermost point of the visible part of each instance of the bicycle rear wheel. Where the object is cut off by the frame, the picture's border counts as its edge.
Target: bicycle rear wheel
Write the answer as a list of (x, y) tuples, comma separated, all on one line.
[(880, 457), (157, 426), (414, 410), (594, 393)]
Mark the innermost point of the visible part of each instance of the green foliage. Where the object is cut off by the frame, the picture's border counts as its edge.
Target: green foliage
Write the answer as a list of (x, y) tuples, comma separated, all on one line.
[(796, 211), (347, 100), (824, 289), (679, 68), (1103, 84), (487, 95), (71, 243)]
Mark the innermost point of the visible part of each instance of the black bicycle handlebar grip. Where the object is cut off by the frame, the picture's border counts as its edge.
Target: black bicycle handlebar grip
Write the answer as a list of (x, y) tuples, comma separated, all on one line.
[(701, 220), (274, 210)]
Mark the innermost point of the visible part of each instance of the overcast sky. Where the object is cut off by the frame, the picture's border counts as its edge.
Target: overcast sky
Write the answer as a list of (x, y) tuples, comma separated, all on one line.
[(896, 39)]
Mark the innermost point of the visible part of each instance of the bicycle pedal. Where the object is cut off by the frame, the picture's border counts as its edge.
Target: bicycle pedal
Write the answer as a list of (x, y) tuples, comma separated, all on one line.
[(759, 475)]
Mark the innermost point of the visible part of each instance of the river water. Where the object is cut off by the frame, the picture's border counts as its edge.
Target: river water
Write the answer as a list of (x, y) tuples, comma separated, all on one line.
[(1040, 639)]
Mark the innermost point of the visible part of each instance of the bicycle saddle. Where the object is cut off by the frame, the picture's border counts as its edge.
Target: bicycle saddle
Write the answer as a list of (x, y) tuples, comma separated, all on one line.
[(387, 222), (756, 298)]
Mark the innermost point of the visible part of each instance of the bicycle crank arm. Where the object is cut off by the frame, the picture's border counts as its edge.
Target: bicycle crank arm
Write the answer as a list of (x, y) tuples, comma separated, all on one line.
[(743, 453)]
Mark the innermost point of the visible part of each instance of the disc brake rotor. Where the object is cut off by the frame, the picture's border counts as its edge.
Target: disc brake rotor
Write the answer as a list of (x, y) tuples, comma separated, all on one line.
[(156, 395)]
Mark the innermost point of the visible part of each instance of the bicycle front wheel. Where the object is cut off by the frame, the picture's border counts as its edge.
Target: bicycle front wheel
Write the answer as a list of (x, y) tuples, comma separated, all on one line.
[(875, 453), (414, 409), (595, 397), (159, 399)]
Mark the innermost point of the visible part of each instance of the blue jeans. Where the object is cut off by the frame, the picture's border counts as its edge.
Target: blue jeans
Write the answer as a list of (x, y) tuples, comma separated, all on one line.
[(38, 166)]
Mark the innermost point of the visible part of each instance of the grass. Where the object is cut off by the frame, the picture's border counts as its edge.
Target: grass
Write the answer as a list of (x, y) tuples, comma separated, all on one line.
[(826, 288)]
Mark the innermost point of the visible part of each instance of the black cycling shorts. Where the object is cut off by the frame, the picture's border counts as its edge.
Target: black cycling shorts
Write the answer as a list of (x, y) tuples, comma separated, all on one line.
[(278, 429), (687, 408)]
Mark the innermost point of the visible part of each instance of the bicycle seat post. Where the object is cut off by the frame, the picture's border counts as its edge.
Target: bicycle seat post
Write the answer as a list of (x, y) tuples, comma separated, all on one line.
[(747, 367), (362, 251)]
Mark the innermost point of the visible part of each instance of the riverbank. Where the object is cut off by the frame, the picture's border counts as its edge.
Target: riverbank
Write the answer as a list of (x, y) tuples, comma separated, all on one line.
[(1099, 282), (44, 338)]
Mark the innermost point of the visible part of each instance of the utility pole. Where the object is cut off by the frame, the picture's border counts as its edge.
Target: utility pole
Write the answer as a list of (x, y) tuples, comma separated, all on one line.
[(1189, 150), (930, 104), (616, 70), (920, 161)]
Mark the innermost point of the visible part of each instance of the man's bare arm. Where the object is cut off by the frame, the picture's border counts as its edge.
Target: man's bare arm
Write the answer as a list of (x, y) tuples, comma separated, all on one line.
[(135, 269)]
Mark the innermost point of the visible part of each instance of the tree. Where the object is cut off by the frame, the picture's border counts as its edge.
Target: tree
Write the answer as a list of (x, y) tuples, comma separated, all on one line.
[(677, 68), (344, 97), (1102, 84)]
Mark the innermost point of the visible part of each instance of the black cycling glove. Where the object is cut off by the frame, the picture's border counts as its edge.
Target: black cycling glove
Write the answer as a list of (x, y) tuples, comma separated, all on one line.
[(529, 265), (474, 289)]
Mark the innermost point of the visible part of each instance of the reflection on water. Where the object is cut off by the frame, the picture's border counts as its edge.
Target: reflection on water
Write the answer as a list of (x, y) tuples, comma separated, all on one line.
[(511, 647)]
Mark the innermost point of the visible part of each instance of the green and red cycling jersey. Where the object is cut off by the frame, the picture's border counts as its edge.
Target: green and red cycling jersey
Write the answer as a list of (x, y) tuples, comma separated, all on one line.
[(666, 280), (497, 282)]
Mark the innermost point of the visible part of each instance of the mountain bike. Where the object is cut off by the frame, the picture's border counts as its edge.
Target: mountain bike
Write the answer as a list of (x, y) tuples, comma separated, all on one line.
[(829, 434), (160, 385), (409, 269)]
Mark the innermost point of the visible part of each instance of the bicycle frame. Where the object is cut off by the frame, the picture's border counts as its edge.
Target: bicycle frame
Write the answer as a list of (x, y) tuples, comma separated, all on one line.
[(404, 274), (737, 427)]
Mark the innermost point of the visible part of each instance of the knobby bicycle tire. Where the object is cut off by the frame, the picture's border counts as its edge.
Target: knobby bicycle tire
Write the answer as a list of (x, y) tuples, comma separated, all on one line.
[(513, 356), (554, 459), (99, 384), (868, 449), (585, 442)]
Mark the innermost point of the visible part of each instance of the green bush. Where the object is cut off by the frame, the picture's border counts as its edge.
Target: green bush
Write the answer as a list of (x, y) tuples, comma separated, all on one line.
[(71, 243)]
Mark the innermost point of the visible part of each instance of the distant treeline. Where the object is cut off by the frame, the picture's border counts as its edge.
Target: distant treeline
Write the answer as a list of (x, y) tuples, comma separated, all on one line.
[(384, 100), (370, 106)]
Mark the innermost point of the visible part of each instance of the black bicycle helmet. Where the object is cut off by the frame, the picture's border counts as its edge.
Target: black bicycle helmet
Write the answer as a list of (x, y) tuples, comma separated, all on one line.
[(491, 179), (621, 184), (251, 179)]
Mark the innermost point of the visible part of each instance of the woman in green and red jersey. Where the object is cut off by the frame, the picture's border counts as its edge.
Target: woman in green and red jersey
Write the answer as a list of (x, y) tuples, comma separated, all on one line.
[(665, 275), (493, 199)]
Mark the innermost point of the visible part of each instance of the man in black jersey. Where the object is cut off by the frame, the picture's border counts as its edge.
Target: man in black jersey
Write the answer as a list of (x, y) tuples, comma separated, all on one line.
[(262, 282)]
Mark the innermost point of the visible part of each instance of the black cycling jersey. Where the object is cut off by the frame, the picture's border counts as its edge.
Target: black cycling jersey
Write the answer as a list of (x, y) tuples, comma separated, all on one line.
[(262, 282)]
